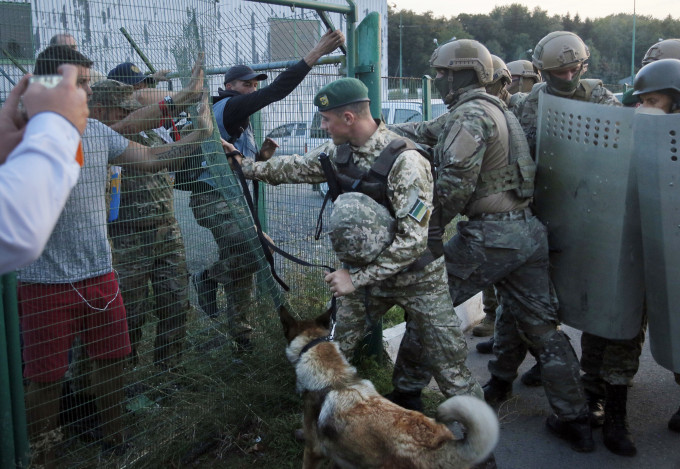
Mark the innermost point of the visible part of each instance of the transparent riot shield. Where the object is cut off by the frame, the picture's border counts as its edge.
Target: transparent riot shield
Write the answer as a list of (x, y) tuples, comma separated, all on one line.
[(586, 195), (657, 164)]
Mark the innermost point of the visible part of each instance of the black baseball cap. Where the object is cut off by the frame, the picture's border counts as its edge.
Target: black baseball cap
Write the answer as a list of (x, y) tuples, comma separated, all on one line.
[(128, 73), (243, 72)]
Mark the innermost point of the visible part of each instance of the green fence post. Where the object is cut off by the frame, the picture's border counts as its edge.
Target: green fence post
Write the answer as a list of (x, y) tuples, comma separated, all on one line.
[(256, 122), (367, 69), (14, 450), (427, 98)]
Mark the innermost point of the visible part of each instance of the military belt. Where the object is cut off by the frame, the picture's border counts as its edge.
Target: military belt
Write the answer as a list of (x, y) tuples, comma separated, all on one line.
[(512, 215)]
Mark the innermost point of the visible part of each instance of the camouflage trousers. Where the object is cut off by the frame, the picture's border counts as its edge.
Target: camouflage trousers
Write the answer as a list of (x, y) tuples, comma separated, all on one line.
[(490, 301), (510, 251), (433, 344), (237, 261), (609, 361), (154, 255)]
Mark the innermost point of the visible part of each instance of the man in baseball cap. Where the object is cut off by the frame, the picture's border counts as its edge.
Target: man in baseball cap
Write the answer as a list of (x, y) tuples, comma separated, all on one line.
[(130, 74)]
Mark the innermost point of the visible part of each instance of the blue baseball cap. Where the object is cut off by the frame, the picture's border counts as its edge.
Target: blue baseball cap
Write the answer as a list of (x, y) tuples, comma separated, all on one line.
[(128, 73)]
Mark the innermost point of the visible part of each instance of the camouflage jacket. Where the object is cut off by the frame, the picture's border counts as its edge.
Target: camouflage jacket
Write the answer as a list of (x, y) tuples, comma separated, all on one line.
[(409, 180), (526, 109), (146, 199), (466, 142)]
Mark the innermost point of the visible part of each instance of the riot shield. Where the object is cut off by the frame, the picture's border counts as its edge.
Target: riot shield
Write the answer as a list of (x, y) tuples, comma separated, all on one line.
[(586, 196), (658, 171)]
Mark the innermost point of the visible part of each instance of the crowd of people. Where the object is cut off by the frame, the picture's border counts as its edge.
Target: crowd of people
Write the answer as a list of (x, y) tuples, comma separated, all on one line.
[(392, 192)]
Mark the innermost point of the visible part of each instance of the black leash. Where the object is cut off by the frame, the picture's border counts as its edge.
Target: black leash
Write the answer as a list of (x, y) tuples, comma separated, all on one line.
[(267, 245)]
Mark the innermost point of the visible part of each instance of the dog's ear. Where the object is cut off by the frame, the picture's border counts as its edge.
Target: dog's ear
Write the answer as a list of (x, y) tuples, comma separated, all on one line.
[(324, 320), (288, 322)]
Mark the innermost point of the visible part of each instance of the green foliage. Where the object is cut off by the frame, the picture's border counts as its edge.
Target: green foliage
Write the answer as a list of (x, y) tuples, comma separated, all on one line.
[(512, 31)]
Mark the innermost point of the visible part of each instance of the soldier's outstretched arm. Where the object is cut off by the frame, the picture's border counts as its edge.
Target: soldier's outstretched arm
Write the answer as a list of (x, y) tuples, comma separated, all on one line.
[(425, 133)]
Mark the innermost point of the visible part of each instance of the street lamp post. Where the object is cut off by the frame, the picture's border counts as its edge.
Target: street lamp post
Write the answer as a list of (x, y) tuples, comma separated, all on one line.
[(401, 74), (632, 55)]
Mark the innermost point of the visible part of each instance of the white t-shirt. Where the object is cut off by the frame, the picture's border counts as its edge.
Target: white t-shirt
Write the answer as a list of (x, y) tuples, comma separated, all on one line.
[(35, 182), (78, 248)]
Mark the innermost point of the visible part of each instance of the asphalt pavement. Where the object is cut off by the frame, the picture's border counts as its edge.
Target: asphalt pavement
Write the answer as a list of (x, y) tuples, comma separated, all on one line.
[(525, 443)]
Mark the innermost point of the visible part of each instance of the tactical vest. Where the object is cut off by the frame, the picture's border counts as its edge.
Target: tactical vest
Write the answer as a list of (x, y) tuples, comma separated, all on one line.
[(373, 183), (520, 172)]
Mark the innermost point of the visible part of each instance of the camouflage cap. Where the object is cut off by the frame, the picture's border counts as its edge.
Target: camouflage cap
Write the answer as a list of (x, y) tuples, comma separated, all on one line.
[(114, 94), (340, 93), (360, 228)]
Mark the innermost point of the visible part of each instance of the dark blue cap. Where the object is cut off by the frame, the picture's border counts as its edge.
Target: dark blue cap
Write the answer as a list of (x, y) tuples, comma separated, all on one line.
[(128, 73), (244, 73)]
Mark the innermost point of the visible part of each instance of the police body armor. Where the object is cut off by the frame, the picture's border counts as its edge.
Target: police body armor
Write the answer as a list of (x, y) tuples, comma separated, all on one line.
[(657, 165), (520, 173), (350, 178), (586, 195)]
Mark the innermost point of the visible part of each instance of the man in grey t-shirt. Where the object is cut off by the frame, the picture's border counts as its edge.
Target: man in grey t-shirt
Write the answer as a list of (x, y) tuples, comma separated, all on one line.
[(72, 288)]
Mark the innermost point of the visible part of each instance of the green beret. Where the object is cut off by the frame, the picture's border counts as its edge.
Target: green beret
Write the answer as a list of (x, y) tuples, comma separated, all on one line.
[(628, 99), (340, 93)]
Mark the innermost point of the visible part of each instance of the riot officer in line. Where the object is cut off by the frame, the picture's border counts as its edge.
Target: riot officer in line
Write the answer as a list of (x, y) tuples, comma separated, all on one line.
[(657, 85), (502, 243), (524, 76), (502, 79)]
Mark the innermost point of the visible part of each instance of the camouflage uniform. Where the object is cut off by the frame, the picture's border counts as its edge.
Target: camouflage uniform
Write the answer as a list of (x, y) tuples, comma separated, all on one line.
[(236, 266), (386, 281), (501, 244), (148, 246), (602, 360)]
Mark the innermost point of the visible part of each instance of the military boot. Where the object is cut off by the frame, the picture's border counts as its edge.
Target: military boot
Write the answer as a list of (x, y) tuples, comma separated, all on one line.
[(206, 289), (578, 432), (407, 400), (485, 347), (615, 433), (595, 408), (485, 327), (496, 391), (674, 422), (533, 376)]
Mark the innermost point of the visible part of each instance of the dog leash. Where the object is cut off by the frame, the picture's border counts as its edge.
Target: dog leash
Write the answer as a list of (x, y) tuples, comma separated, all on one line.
[(267, 245)]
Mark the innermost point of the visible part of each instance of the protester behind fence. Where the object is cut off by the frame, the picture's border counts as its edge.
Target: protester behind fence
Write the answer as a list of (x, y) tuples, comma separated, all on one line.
[(147, 242), (38, 163), (72, 287), (239, 99), (144, 85)]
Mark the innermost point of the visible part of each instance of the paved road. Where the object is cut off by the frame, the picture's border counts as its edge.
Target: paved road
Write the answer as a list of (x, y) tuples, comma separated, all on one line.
[(526, 444)]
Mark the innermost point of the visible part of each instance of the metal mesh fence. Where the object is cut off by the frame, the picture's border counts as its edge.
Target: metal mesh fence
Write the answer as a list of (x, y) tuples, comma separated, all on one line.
[(123, 364)]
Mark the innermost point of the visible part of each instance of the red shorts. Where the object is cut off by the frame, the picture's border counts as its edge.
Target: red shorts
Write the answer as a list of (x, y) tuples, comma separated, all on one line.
[(52, 314)]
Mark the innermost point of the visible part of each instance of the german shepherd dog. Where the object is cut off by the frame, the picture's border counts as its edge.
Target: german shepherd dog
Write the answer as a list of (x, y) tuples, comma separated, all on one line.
[(347, 421)]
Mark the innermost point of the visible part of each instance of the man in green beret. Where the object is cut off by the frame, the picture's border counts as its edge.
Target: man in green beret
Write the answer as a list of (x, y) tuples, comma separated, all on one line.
[(405, 272)]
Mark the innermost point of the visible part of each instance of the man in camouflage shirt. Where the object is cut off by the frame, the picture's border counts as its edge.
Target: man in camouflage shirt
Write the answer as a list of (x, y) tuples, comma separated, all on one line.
[(502, 243), (365, 293), (147, 242)]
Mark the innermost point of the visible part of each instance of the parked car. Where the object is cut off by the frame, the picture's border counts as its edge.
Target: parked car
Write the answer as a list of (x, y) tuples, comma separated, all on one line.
[(291, 138)]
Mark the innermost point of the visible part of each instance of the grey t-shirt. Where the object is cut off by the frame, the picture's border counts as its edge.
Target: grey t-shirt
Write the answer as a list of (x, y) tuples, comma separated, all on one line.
[(78, 247)]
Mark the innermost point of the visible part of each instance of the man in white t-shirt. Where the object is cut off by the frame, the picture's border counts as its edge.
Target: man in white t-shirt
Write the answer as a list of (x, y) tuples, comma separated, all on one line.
[(72, 287)]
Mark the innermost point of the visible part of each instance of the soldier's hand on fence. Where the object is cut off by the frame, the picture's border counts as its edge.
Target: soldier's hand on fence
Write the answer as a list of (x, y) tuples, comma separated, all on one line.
[(327, 44), (340, 282), (12, 121), (231, 151), (161, 75), (66, 99), (203, 119), (267, 150)]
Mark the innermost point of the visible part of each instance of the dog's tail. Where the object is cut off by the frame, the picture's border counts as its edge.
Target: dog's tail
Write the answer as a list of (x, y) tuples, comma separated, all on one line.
[(480, 422)]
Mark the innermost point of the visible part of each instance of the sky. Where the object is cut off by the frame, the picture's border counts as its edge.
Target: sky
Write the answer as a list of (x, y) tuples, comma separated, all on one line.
[(585, 8)]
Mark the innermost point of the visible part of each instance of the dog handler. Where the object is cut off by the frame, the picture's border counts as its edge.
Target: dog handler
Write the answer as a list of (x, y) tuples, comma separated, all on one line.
[(383, 274)]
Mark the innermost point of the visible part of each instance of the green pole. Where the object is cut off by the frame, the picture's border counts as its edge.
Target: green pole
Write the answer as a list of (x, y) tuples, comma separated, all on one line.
[(14, 449), (632, 55), (427, 98), (14, 61)]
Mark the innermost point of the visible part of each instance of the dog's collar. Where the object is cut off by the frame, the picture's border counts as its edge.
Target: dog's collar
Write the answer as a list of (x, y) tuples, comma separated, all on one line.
[(314, 343)]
